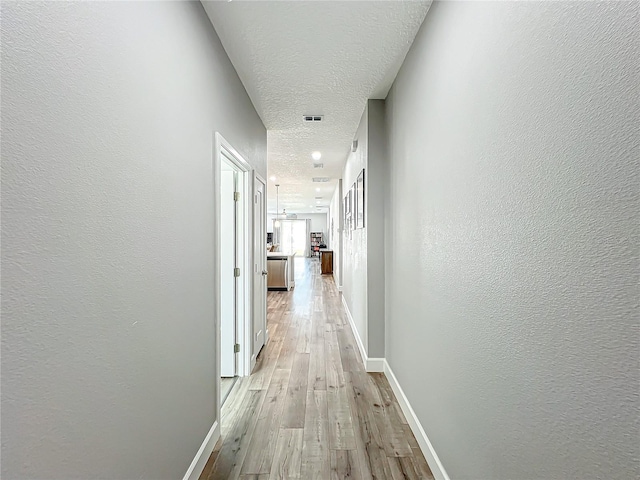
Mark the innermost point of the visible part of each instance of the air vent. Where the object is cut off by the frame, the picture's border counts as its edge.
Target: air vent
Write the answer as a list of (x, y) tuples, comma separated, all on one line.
[(313, 118), (320, 179), (291, 216), (318, 198), (318, 165)]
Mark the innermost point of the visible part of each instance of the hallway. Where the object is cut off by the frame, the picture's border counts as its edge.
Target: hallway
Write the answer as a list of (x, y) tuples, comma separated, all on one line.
[(309, 410)]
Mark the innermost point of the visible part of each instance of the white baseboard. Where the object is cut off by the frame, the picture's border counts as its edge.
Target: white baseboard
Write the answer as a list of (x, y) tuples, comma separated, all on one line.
[(425, 445), (370, 364), (375, 365), (201, 458), (363, 352), (381, 365)]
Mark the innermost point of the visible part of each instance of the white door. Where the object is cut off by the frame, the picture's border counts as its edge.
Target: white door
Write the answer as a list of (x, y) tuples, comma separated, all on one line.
[(228, 284), (260, 268)]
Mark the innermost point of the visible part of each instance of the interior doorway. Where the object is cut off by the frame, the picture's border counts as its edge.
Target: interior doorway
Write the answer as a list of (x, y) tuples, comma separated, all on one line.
[(240, 266), (234, 270)]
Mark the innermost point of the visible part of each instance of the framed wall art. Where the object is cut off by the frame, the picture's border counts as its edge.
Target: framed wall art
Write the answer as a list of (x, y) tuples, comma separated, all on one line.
[(347, 214)]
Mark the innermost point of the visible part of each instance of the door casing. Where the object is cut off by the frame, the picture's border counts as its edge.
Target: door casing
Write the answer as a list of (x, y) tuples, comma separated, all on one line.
[(245, 281)]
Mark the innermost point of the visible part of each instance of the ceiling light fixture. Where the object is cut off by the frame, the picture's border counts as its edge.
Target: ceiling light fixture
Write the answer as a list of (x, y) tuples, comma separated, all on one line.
[(316, 155), (272, 178), (317, 189)]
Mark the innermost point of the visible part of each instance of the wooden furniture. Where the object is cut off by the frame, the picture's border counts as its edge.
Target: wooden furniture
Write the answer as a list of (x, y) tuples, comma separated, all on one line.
[(326, 261), (316, 241)]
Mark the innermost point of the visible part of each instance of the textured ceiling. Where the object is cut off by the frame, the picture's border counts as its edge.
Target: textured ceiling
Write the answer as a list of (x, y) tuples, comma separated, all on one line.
[(313, 57)]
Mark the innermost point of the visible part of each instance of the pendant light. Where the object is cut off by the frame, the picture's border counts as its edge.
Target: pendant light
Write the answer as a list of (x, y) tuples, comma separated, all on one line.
[(276, 224)]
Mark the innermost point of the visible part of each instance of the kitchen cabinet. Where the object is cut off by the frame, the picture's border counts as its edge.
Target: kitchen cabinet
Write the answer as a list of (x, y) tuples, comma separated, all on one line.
[(280, 271)]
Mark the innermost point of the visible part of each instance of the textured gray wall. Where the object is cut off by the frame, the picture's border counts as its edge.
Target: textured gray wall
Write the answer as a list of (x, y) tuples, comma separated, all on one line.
[(108, 115), (512, 260), (354, 243), (377, 178), (336, 218), (363, 261)]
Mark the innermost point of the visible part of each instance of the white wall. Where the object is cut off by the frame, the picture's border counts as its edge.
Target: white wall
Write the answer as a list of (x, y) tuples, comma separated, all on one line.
[(512, 253), (108, 113)]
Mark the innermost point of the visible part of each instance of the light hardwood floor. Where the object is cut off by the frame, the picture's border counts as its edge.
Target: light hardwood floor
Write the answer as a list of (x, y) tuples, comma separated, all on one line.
[(226, 384), (309, 410)]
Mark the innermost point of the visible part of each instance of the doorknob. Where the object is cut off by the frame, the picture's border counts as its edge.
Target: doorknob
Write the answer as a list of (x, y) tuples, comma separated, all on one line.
[(264, 272)]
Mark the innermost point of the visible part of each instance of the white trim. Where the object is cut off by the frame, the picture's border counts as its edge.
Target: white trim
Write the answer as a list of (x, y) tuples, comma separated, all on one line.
[(204, 452), (339, 288), (423, 441), (363, 352), (375, 365), (381, 365), (370, 364), (216, 265)]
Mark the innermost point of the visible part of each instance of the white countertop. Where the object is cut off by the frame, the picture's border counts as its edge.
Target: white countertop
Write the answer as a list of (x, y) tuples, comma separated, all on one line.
[(280, 254)]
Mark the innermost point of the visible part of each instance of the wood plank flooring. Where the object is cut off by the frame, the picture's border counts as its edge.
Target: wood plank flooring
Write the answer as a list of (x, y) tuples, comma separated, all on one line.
[(309, 410), (226, 384)]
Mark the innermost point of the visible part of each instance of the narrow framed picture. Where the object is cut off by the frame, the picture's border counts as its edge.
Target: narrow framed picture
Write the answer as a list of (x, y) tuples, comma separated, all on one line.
[(347, 215), (352, 194), (359, 209)]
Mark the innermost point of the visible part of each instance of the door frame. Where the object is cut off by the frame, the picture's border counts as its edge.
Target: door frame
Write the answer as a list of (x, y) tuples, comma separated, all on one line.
[(245, 281)]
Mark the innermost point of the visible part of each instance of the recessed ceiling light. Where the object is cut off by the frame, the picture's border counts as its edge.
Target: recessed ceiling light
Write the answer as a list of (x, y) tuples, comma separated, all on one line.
[(316, 155), (273, 179), (317, 189)]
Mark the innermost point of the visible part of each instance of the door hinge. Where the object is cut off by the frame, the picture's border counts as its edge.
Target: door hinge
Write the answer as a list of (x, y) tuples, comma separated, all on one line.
[(236, 196), (236, 348), (236, 272)]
